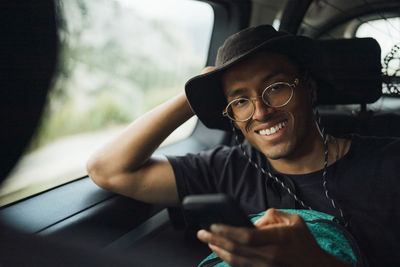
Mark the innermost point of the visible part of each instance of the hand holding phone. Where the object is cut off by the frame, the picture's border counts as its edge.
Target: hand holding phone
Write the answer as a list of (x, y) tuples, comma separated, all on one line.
[(203, 210)]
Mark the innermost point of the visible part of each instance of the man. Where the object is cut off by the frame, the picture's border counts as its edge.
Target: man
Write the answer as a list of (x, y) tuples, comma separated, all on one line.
[(263, 86)]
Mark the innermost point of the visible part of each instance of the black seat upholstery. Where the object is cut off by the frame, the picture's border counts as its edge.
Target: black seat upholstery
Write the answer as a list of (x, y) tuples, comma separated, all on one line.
[(353, 76), (351, 71)]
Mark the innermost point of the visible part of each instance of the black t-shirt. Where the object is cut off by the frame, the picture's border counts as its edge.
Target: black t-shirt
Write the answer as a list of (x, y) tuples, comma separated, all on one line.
[(365, 183)]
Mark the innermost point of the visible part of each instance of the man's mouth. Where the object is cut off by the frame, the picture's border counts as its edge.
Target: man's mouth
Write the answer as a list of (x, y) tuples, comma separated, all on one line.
[(274, 129)]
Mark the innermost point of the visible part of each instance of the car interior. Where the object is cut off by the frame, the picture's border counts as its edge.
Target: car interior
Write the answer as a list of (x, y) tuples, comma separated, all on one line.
[(81, 212)]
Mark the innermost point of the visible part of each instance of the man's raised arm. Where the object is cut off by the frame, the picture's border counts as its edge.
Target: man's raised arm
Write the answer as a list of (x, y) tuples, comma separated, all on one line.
[(125, 165)]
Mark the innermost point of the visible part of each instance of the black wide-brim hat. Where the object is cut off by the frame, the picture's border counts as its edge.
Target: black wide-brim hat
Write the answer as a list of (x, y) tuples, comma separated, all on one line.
[(205, 93)]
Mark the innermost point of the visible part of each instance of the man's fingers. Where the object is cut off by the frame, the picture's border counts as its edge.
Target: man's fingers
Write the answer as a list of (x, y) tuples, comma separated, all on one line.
[(207, 69), (283, 238), (219, 241), (225, 243), (241, 235), (268, 234), (236, 260), (265, 249), (232, 259), (276, 227)]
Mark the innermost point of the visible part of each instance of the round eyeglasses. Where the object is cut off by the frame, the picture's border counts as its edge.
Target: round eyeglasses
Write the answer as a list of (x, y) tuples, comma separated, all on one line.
[(275, 95)]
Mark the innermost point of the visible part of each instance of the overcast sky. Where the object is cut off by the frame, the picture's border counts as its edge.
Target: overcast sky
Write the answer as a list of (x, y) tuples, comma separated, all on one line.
[(184, 10), (386, 32)]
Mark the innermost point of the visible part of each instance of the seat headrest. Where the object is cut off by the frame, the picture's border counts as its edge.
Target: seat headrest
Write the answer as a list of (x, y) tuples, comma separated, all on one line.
[(351, 71)]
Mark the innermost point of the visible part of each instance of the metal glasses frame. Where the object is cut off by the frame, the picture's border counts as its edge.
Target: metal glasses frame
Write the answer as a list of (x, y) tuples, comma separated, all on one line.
[(225, 112)]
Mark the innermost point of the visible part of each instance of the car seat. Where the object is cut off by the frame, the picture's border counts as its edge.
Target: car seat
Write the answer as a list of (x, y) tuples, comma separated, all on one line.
[(354, 77)]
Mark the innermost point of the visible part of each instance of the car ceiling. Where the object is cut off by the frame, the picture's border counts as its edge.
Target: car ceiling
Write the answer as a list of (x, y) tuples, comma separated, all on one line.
[(324, 16), (319, 18)]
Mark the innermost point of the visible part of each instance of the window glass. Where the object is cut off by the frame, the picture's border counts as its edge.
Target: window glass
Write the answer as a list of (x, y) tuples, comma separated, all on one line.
[(118, 59), (387, 33)]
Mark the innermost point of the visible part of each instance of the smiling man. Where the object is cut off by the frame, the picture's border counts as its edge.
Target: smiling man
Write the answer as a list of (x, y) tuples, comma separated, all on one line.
[(263, 87), (272, 107)]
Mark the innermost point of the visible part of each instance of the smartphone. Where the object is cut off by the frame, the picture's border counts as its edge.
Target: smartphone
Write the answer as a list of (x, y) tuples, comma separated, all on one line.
[(203, 210)]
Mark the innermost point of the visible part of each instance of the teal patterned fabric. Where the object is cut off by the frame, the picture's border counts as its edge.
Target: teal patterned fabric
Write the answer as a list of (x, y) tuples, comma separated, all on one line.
[(330, 235)]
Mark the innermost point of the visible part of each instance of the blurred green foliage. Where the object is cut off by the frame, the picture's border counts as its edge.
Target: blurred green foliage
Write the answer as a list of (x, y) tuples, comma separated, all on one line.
[(105, 78), (106, 110)]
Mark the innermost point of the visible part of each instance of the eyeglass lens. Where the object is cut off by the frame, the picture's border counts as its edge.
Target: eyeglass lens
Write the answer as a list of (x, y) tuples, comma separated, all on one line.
[(276, 95)]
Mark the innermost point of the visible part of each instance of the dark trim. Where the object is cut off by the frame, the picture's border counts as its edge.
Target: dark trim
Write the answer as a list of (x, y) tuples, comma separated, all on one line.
[(41, 192), (293, 15), (229, 17), (150, 227), (53, 206)]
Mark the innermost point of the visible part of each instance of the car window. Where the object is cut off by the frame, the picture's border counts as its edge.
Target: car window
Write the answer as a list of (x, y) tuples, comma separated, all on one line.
[(117, 60), (387, 32)]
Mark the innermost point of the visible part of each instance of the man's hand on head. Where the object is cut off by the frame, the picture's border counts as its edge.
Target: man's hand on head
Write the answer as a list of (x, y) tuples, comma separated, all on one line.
[(207, 69), (279, 239)]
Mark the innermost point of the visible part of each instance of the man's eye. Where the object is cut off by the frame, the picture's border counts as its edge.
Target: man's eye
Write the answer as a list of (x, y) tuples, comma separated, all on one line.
[(240, 102), (277, 87)]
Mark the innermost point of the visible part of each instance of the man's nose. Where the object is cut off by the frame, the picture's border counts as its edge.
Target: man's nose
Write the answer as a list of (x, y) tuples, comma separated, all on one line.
[(261, 109)]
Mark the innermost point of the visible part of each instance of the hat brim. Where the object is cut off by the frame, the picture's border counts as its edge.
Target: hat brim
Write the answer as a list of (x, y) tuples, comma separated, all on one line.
[(205, 93)]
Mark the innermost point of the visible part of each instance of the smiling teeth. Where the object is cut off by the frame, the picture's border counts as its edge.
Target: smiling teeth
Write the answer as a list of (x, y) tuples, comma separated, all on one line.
[(273, 129)]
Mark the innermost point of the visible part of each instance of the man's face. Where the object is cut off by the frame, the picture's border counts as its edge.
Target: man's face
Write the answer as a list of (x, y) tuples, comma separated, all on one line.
[(291, 127)]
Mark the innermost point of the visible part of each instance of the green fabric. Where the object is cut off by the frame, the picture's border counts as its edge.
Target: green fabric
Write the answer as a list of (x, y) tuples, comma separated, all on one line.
[(331, 236)]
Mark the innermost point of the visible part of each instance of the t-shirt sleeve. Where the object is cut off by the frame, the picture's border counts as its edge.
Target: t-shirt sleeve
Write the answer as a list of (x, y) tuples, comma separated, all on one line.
[(199, 173)]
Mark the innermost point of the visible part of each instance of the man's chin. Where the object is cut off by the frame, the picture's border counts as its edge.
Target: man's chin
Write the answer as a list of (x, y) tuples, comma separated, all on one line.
[(277, 152)]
